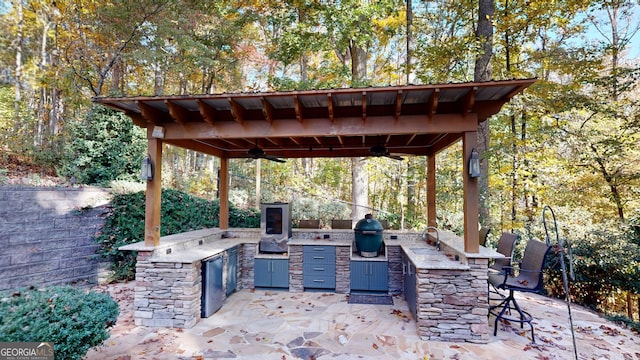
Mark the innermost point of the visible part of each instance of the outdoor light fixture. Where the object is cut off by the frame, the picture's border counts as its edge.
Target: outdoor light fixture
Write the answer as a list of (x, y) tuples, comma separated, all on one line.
[(158, 132), (146, 169), (474, 164)]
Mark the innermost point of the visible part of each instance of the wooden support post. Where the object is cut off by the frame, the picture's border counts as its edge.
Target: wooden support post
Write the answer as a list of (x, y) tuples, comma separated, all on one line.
[(153, 194), (224, 193), (431, 190), (471, 198)]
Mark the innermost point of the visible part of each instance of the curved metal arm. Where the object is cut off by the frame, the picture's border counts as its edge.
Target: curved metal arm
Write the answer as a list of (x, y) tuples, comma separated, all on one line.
[(424, 235)]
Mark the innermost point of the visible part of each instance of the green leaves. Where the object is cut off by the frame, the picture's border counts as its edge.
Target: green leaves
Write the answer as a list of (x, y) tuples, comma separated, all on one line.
[(72, 319)]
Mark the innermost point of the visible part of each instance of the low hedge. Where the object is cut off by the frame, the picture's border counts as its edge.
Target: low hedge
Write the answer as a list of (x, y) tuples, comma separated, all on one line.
[(72, 319)]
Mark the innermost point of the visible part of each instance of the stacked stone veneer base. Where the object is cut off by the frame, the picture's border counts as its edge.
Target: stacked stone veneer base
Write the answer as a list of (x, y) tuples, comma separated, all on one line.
[(453, 304)]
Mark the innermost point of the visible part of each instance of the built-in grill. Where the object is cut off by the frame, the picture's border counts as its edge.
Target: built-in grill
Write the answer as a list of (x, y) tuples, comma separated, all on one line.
[(275, 228), (368, 236)]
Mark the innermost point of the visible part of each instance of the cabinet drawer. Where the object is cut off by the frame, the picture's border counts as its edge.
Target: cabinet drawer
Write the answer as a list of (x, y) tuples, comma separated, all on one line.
[(319, 269), (319, 282), (319, 254)]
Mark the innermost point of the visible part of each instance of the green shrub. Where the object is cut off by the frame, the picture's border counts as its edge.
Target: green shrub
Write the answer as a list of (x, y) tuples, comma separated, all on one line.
[(180, 212), (72, 319)]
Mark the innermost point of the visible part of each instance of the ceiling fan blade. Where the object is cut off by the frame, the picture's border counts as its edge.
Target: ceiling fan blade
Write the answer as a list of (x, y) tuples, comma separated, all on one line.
[(395, 157), (273, 158)]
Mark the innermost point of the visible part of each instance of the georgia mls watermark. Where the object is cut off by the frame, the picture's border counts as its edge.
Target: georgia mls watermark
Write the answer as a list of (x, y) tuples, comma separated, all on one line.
[(26, 351)]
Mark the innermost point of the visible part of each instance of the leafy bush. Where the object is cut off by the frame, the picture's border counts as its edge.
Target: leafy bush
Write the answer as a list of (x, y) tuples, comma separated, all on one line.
[(72, 319), (180, 212), (107, 146)]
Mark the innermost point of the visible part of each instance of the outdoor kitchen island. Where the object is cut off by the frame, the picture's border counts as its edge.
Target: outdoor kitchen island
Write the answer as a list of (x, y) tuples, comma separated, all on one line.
[(446, 289)]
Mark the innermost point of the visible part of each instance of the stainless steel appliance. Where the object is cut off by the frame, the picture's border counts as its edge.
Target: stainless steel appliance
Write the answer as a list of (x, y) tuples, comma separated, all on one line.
[(212, 294), (275, 227)]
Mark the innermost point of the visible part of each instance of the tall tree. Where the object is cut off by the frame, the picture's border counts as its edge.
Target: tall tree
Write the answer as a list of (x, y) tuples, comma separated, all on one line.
[(482, 72)]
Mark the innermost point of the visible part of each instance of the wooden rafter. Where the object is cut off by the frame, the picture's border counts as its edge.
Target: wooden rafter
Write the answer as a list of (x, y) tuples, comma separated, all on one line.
[(207, 112), (177, 112), (150, 114), (330, 106), (298, 108), (432, 103), (237, 111), (267, 110), (364, 106), (469, 100), (398, 104)]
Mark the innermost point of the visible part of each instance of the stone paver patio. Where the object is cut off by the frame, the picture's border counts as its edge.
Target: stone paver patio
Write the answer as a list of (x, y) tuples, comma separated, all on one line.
[(266, 324)]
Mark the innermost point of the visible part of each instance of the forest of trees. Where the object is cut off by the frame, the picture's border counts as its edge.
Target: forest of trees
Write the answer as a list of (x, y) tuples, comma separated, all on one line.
[(571, 141)]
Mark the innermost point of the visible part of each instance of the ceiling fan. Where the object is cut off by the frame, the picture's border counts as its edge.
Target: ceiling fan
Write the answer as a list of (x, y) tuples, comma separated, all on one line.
[(381, 150), (257, 153)]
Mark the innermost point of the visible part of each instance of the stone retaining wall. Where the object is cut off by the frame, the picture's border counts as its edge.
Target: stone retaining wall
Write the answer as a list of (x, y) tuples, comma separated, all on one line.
[(46, 235)]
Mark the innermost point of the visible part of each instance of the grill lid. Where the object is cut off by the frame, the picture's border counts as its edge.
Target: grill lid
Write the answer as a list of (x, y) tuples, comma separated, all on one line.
[(368, 224)]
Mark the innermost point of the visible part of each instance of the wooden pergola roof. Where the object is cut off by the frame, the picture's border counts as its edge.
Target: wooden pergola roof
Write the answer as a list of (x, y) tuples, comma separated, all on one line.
[(407, 120)]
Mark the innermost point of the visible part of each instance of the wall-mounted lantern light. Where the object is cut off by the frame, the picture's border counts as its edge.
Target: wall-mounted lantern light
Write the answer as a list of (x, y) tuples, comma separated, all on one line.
[(146, 169), (474, 164), (158, 132)]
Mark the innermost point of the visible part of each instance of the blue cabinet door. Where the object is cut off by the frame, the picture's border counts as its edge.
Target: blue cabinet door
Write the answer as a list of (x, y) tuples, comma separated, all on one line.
[(280, 273), (262, 273), (370, 275), (359, 275), (378, 276)]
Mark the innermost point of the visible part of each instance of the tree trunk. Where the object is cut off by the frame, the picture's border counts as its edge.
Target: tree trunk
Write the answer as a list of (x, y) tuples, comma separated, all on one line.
[(359, 175), (482, 72), (18, 65), (409, 67)]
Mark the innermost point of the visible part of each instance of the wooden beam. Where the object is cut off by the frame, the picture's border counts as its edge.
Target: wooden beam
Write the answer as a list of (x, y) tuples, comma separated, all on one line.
[(154, 192), (207, 112), (470, 193), (137, 119), (440, 123), (431, 191), (224, 193)]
